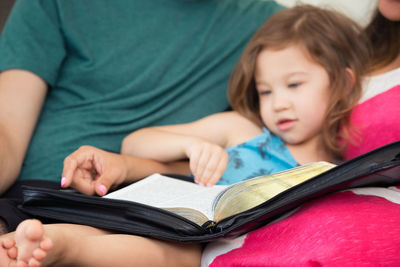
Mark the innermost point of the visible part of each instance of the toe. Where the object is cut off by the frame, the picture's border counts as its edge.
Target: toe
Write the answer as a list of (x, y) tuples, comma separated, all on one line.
[(8, 243), (39, 254), (46, 244), (12, 253), (34, 263), (34, 230), (22, 264)]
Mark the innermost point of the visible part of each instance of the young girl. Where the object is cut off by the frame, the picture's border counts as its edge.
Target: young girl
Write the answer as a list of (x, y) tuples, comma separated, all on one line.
[(292, 93)]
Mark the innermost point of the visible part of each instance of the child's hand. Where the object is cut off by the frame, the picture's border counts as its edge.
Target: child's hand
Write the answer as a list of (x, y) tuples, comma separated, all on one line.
[(208, 162), (93, 171)]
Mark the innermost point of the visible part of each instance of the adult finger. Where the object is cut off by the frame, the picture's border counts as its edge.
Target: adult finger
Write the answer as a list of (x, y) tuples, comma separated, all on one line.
[(103, 184), (83, 181), (70, 166), (80, 158)]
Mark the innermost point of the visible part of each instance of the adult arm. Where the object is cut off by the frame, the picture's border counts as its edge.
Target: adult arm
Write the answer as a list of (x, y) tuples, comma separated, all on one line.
[(22, 94)]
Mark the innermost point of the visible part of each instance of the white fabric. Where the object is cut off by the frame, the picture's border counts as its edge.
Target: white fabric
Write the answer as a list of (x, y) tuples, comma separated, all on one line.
[(377, 84)]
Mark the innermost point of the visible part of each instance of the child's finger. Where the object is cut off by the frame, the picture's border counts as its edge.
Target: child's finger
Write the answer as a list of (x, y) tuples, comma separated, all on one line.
[(210, 168), (202, 165), (217, 167), (193, 163), (219, 171)]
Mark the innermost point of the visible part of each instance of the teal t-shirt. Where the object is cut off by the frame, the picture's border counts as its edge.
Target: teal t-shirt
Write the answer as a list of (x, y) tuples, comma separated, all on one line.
[(114, 66)]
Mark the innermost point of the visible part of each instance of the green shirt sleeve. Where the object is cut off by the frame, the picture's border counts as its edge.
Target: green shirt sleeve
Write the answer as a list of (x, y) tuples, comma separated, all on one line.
[(33, 40)]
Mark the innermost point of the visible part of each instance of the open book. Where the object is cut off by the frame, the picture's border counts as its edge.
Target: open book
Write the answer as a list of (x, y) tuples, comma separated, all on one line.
[(204, 204), (154, 207)]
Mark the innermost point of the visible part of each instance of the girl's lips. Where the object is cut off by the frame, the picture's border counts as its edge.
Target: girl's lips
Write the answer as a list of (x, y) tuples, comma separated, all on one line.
[(285, 125)]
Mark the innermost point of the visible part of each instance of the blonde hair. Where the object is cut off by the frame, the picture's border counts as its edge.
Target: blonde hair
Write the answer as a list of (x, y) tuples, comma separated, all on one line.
[(332, 40)]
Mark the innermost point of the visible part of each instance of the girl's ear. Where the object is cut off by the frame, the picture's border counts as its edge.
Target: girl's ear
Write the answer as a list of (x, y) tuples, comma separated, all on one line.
[(350, 80)]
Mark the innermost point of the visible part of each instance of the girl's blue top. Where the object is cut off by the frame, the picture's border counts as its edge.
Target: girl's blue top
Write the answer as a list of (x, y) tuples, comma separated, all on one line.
[(261, 155)]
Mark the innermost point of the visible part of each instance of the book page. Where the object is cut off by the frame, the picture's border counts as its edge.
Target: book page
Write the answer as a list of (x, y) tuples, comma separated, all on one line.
[(165, 192), (251, 193)]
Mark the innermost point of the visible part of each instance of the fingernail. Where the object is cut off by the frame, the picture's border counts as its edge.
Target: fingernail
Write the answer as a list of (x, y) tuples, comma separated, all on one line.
[(63, 181), (103, 189)]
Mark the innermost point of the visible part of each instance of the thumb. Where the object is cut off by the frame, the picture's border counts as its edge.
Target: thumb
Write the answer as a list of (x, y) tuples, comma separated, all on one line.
[(102, 185)]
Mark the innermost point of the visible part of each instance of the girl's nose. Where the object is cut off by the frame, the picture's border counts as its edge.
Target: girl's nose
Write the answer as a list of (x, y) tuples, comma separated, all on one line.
[(280, 102)]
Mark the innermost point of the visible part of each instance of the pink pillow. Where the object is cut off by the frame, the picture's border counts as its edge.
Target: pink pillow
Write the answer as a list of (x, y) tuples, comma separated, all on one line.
[(378, 122), (351, 228)]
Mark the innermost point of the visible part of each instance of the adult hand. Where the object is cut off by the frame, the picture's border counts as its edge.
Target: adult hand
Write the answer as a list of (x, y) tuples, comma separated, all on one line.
[(208, 162), (93, 171)]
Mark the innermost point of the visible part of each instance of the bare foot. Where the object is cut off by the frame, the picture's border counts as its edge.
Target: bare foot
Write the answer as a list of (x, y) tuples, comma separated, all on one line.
[(32, 246)]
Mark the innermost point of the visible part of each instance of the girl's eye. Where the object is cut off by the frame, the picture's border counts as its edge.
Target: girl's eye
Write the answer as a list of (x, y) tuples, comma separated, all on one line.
[(294, 85), (265, 92)]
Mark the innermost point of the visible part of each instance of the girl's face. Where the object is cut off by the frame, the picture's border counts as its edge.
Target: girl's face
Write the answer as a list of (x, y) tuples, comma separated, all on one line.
[(390, 9), (294, 94)]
